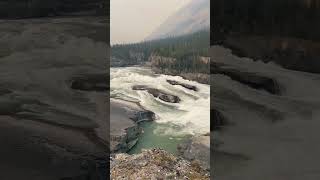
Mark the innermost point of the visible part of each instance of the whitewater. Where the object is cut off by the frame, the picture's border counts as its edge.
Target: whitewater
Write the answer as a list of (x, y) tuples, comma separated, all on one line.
[(191, 116)]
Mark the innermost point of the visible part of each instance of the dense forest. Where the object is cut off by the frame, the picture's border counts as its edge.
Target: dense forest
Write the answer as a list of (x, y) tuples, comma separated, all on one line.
[(294, 18), (180, 53), (44, 8)]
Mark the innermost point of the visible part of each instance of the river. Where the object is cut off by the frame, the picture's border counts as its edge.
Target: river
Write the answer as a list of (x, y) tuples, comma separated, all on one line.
[(174, 121)]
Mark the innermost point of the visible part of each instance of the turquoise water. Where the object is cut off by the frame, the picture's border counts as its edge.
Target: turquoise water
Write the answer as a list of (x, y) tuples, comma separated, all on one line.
[(154, 136), (175, 122)]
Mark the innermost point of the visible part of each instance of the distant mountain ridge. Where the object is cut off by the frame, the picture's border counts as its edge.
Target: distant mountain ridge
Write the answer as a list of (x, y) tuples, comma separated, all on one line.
[(193, 17)]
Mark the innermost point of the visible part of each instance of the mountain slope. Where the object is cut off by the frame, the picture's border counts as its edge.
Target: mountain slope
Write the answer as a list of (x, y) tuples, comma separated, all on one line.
[(193, 17)]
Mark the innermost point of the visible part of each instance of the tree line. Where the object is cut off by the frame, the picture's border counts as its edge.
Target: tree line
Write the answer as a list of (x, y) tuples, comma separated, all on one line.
[(185, 49)]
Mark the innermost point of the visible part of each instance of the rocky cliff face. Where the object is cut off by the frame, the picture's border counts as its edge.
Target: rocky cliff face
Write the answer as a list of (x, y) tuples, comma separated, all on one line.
[(168, 65), (125, 121)]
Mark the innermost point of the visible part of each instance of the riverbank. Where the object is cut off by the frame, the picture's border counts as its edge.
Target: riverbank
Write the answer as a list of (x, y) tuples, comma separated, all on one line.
[(153, 164), (125, 122)]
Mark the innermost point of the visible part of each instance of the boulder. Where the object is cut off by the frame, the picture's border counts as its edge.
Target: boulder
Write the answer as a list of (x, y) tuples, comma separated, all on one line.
[(158, 94), (187, 86)]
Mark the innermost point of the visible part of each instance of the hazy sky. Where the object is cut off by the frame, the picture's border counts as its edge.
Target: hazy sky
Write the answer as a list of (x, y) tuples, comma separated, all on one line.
[(133, 20)]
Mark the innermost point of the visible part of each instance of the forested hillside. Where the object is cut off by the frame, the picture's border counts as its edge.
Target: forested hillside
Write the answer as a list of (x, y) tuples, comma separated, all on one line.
[(178, 54), (194, 17)]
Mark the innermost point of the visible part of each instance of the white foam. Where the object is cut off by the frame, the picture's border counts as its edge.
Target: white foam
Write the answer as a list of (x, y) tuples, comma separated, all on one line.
[(192, 114)]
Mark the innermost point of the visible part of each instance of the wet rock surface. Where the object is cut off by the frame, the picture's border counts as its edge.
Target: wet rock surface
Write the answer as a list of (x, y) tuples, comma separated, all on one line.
[(155, 164), (187, 86), (125, 121), (158, 94)]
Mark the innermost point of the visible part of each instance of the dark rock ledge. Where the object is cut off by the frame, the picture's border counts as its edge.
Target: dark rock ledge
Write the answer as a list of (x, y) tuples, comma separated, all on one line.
[(158, 94), (125, 121), (187, 86)]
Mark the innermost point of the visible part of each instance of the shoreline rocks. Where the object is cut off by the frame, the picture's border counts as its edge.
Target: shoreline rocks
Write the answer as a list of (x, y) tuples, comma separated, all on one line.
[(154, 164), (124, 120)]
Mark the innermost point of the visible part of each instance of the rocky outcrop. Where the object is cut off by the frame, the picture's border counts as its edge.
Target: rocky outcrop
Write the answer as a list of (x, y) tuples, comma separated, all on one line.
[(125, 119), (155, 164), (142, 116), (187, 86), (164, 65), (157, 60), (197, 149), (199, 77), (158, 94), (253, 80)]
